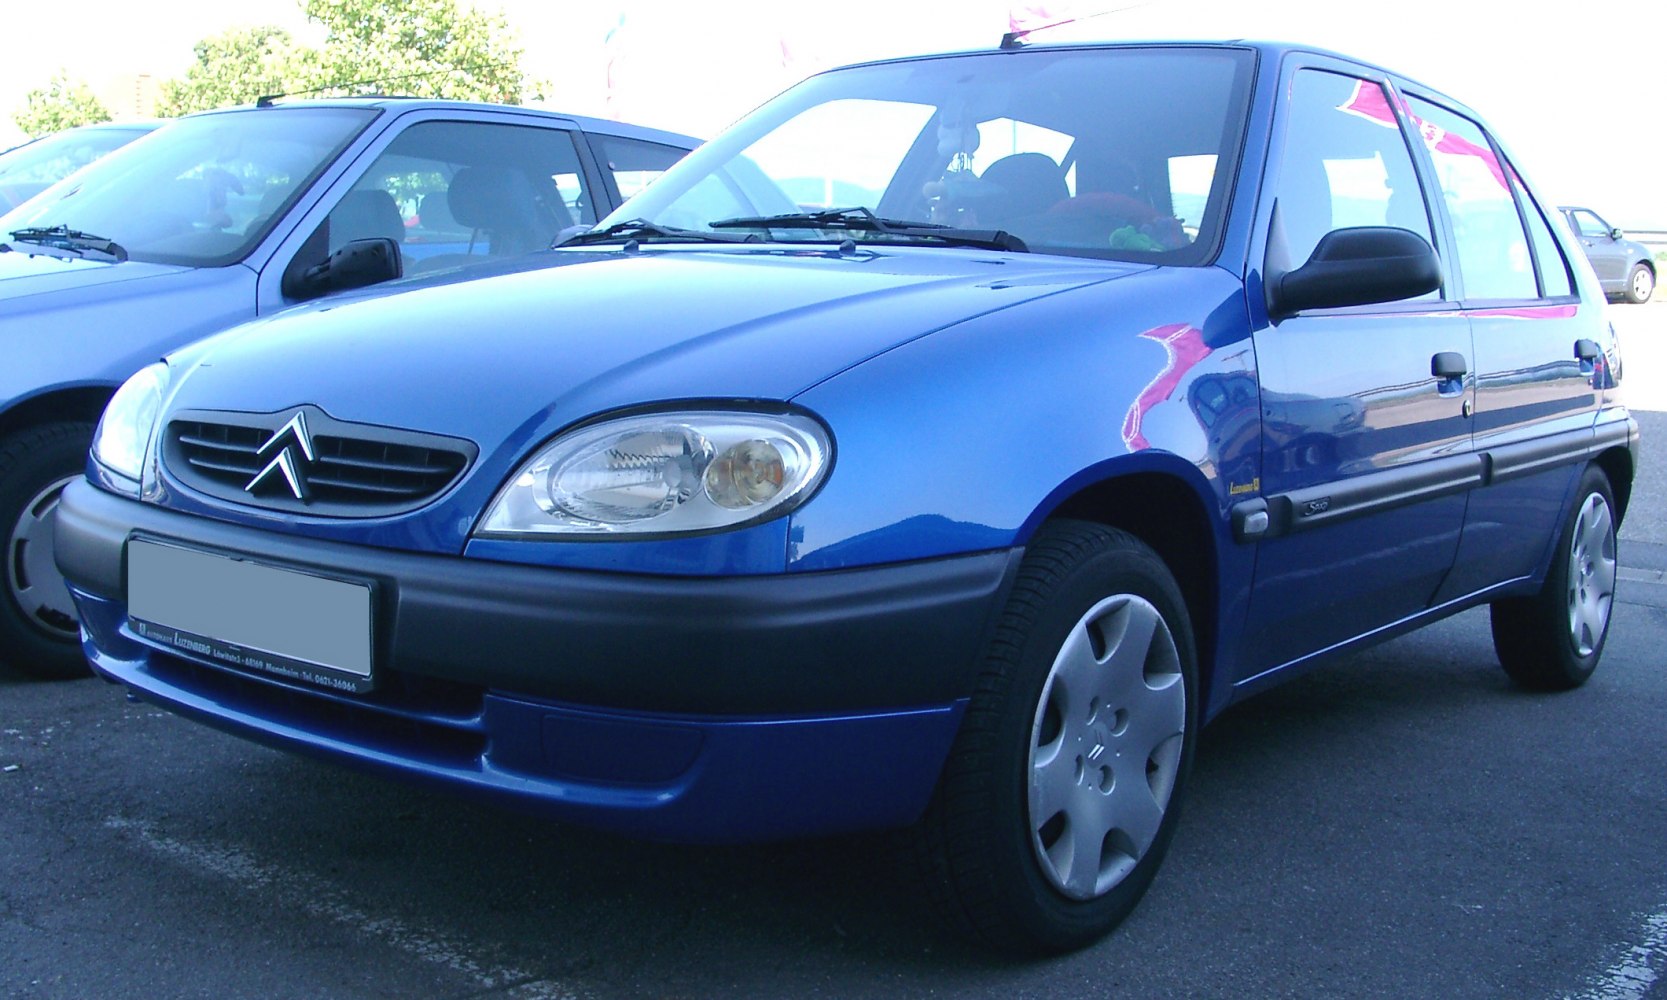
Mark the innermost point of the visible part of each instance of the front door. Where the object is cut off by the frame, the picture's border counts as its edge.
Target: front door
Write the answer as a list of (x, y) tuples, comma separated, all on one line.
[(1366, 453)]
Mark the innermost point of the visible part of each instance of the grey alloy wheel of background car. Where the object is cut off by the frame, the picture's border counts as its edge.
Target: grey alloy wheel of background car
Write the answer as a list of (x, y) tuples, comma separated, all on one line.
[(39, 634), (1551, 641), (1640, 284), (1060, 795)]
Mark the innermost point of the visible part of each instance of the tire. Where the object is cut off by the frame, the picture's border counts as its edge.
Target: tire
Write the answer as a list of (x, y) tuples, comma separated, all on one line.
[(1076, 744), (1640, 284), (1552, 640), (39, 633)]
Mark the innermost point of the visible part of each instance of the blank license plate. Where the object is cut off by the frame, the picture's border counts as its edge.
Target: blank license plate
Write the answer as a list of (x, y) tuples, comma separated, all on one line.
[(251, 616)]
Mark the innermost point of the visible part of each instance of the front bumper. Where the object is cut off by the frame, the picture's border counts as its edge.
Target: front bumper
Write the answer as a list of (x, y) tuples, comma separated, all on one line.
[(710, 709)]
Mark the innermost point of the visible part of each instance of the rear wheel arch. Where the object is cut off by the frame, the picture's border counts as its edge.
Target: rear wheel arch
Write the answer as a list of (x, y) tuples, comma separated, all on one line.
[(1616, 463)]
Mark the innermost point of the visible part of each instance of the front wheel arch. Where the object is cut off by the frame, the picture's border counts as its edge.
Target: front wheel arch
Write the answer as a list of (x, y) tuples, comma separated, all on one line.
[(1163, 510)]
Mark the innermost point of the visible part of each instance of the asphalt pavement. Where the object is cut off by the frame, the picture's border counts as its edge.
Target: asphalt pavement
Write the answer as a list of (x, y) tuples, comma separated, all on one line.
[(1401, 823)]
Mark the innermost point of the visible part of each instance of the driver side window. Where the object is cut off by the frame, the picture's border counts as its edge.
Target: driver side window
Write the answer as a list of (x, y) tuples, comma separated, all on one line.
[(1346, 163), (449, 192)]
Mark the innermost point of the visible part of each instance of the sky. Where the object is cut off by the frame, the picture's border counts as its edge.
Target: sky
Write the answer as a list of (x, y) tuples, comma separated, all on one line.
[(1575, 97)]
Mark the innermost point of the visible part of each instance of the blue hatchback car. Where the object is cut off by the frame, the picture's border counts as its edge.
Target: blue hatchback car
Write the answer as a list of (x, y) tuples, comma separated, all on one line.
[(221, 217), (942, 446)]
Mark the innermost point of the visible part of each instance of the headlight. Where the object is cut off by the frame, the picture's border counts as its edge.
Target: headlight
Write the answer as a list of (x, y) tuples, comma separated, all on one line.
[(663, 473), (124, 433)]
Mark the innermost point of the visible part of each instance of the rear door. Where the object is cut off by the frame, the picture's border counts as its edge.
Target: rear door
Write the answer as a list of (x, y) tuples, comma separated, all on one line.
[(1536, 399)]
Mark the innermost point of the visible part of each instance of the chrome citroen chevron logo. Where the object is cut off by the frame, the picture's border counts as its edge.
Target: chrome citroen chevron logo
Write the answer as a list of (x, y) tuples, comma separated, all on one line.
[(288, 439)]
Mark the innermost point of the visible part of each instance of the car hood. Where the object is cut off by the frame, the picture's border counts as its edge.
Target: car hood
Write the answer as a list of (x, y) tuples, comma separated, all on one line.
[(24, 274), (509, 359)]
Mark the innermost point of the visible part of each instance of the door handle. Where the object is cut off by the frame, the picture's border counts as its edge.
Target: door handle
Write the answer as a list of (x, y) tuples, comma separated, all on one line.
[(1448, 365), (1586, 350)]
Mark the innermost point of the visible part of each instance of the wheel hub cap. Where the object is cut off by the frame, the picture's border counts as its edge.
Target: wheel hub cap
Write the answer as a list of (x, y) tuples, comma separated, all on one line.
[(31, 575), (1105, 746), (1591, 574)]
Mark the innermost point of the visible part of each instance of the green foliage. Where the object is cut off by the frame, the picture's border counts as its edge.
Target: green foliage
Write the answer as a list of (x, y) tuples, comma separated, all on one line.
[(420, 48), (237, 67), (62, 103)]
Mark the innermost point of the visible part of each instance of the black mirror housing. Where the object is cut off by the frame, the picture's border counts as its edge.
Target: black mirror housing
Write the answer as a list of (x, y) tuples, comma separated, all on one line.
[(356, 265), (1355, 267)]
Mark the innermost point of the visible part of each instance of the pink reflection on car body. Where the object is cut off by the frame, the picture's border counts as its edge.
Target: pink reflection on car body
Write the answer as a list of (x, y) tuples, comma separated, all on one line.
[(1185, 347)]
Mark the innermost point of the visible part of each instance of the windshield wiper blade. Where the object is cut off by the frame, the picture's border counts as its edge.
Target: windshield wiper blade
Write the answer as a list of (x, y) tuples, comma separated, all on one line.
[(861, 219), (65, 238), (643, 229)]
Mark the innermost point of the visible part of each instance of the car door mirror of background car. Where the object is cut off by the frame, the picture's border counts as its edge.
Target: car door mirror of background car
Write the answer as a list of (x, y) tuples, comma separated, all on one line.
[(1356, 266), (356, 265)]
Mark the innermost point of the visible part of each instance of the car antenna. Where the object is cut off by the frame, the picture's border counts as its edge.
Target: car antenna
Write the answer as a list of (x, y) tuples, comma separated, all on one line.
[(267, 100), (1017, 37)]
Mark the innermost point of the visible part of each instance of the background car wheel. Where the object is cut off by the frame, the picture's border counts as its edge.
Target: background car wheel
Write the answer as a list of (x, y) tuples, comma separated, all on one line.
[(1552, 640), (1060, 795), (1640, 284), (38, 628)]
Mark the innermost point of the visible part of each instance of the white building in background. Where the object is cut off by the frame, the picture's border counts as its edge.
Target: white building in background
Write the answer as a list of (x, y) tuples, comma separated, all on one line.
[(129, 96)]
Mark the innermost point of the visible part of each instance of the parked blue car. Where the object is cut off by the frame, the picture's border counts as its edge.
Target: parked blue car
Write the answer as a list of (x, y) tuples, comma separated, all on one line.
[(31, 168), (221, 217), (942, 446)]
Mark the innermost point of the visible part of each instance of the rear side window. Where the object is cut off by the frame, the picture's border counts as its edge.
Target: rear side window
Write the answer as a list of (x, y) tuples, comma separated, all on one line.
[(1491, 246), (1346, 163)]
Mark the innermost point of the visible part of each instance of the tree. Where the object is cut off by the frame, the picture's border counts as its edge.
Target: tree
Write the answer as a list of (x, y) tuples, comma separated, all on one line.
[(421, 48), (62, 103), (237, 67)]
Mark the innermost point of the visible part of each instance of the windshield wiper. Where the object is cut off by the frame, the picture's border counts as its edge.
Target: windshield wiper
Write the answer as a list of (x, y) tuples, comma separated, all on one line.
[(65, 238), (643, 229), (861, 219)]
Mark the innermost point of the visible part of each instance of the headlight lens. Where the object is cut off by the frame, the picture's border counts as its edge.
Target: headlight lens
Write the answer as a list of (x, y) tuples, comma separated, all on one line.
[(663, 473), (124, 433)]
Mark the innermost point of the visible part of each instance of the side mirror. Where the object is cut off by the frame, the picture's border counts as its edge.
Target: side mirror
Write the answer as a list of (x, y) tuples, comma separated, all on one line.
[(359, 263), (1616, 234), (1357, 267)]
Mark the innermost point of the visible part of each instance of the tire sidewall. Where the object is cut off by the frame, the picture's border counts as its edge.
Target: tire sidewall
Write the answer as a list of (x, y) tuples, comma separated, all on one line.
[(1056, 921), (1631, 283), (1578, 667), (29, 464)]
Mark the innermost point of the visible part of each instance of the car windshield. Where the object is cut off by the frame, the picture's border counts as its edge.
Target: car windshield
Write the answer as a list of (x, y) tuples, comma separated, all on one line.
[(201, 191), (57, 156), (1121, 153)]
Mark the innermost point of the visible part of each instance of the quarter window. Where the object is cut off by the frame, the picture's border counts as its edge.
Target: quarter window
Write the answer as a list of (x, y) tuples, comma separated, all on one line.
[(634, 163), (1553, 266), (1491, 246)]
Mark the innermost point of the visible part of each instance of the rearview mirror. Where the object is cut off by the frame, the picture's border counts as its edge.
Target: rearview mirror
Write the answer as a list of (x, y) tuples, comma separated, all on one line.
[(1356, 267)]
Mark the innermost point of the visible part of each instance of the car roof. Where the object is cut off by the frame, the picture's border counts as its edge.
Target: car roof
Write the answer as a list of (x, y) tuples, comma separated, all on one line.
[(1271, 49), (601, 126)]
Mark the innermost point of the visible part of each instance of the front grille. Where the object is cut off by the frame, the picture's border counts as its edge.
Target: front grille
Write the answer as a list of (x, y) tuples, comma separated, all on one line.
[(354, 470)]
